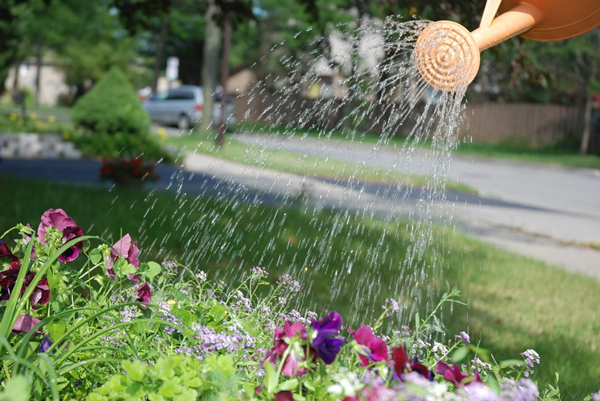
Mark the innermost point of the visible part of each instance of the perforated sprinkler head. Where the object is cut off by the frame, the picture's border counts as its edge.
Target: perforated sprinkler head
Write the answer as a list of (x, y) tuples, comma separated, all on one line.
[(447, 56)]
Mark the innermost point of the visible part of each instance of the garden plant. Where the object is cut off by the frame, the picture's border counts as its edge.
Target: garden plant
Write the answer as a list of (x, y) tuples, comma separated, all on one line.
[(86, 319)]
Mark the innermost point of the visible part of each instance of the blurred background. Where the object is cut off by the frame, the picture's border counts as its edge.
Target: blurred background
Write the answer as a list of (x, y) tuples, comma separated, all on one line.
[(231, 133)]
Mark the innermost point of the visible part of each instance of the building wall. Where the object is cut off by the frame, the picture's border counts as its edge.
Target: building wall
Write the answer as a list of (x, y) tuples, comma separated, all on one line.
[(52, 81)]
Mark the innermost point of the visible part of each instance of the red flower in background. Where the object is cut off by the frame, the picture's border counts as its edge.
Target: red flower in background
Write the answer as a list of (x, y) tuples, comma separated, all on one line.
[(123, 171)]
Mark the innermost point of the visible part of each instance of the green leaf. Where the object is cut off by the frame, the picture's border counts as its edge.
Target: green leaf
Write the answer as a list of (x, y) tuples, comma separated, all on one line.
[(95, 256), (17, 388), (271, 378), (154, 269), (128, 268), (57, 329), (459, 354), (288, 385), (417, 322), (136, 371), (510, 362)]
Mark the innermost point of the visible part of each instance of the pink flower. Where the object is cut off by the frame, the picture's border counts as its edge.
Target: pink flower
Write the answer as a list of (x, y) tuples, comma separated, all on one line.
[(143, 293), (295, 356), (377, 348), (126, 250), (24, 324), (58, 219)]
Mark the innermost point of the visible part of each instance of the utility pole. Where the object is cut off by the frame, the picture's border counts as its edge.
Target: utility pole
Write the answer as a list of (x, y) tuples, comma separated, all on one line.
[(224, 79)]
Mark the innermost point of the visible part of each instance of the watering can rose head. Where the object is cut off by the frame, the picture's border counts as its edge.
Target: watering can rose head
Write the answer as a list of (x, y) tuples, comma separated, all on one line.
[(447, 54)]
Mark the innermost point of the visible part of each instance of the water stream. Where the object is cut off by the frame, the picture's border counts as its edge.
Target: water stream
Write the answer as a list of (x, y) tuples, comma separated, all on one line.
[(368, 83)]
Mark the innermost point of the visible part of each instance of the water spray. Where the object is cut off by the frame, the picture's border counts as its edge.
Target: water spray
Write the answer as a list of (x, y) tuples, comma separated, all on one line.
[(447, 54)]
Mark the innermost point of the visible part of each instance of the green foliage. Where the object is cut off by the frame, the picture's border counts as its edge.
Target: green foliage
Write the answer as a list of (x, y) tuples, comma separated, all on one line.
[(122, 145), (17, 388), (112, 107), (171, 377)]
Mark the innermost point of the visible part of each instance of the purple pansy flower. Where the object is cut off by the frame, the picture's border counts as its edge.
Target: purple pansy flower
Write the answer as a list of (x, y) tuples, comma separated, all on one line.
[(45, 344), (58, 219), (327, 347), (128, 251)]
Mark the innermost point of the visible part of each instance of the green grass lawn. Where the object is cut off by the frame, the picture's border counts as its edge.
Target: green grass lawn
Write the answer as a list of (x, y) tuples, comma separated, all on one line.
[(515, 152), (303, 164), (513, 303), (56, 111)]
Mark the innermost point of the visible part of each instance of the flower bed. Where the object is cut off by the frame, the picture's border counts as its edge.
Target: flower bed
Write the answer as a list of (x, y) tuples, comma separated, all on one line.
[(96, 322)]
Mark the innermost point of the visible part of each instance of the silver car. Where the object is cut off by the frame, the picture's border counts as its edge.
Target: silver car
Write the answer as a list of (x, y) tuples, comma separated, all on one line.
[(183, 106)]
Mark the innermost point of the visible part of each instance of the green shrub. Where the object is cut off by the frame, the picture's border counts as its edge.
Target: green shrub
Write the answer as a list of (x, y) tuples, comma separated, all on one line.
[(122, 145), (112, 107)]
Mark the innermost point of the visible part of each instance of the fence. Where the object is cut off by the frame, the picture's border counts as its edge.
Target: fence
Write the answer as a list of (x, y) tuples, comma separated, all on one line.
[(531, 124)]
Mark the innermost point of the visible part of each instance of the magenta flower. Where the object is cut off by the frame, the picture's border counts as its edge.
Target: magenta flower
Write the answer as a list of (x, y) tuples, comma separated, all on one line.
[(284, 396), (8, 279), (403, 365), (454, 375), (126, 250), (377, 350), (326, 346), (296, 354), (58, 219), (24, 324), (143, 293), (5, 252)]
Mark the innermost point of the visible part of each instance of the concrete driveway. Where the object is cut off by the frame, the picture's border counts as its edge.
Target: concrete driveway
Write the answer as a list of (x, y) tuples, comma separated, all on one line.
[(542, 211)]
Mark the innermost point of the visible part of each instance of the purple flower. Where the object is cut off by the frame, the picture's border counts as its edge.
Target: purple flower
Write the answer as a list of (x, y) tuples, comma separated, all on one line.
[(464, 337), (327, 347), (58, 219), (126, 250), (45, 344), (521, 390), (377, 350), (143, 293), (24, 324), (595, 396)]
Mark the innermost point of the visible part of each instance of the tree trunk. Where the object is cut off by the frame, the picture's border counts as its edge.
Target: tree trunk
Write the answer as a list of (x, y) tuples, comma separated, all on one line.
[(210, 64), (224, 78), (587, 130), (15, 85), (158, 55), (38, 66)]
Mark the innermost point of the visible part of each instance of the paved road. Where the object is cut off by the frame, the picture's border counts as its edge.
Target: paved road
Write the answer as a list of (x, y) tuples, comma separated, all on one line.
[(541, 210)]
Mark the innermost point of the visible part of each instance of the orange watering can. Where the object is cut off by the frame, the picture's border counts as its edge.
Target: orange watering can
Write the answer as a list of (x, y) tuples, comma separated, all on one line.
[(447, 54)]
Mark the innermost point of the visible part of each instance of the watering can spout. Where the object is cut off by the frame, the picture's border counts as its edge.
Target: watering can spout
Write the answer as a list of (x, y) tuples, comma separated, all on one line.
[(447, 54)]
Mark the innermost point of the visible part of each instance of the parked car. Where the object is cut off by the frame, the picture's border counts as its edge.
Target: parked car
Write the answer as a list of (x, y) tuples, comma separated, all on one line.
[(183, 106)]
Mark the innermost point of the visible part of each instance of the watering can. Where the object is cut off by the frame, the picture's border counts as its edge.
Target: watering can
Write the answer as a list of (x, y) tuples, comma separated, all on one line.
[(447, 54)]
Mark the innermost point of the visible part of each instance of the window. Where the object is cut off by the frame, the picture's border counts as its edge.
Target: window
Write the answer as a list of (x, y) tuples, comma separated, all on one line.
[(180, 95)]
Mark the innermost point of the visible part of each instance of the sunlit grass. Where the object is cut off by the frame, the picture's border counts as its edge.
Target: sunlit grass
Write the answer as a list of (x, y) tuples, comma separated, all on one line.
[(514, 303), (510, 151), (302, 164)]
